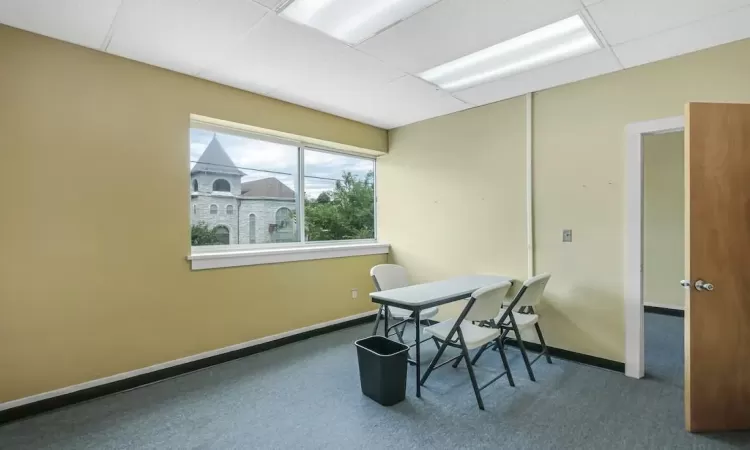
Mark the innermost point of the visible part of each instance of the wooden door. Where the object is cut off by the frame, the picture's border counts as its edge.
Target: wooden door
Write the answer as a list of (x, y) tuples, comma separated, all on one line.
[(717, 316)]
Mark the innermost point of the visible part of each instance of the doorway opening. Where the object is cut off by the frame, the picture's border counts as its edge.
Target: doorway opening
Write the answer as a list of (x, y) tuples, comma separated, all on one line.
[(637, 134), (663, 219)]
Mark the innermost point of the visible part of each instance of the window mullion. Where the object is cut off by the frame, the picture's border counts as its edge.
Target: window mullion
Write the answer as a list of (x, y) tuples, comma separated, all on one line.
[(301, 194)]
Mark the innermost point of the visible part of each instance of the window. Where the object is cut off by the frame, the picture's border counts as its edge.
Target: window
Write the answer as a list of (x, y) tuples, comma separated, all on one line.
[(222, 234), (195, 209), (221, 185), (289, 193), (195, 185), (251, 229), (339, 196)]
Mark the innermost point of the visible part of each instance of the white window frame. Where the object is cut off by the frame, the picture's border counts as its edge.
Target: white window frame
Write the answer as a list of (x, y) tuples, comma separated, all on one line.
[(219, 256)]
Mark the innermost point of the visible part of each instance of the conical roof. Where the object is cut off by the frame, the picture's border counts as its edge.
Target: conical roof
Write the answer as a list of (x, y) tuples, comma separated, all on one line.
[(216, 160)]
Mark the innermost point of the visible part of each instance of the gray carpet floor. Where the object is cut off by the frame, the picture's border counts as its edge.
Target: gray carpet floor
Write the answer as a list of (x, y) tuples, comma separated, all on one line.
[(306, 395), (665, 349)]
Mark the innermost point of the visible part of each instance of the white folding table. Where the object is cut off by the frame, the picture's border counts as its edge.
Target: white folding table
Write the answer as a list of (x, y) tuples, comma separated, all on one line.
[(417, 297)]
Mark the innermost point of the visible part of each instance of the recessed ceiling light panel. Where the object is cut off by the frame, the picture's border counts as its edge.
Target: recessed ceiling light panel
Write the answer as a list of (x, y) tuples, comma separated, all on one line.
[(561, 40), (352, 21)]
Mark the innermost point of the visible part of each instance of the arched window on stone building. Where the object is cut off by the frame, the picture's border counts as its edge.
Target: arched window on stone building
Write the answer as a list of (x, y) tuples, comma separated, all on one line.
[(284, 219), (222, 233), (213, 209), (230, 209), (222, 185), (195, 185), (251, 228)]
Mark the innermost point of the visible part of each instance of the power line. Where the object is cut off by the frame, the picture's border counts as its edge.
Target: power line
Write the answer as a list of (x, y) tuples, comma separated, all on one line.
[(243, 168), (264, 170)]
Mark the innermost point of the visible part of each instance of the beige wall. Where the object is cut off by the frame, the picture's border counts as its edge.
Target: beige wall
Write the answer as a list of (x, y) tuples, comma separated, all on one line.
[(477, 157), (88, 143), (663, 219)]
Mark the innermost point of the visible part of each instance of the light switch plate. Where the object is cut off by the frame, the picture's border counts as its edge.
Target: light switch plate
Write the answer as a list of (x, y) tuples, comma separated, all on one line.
[(567, 235)]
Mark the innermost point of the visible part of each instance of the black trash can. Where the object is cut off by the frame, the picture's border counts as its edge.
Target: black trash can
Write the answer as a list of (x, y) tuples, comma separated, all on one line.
[(382, 369)]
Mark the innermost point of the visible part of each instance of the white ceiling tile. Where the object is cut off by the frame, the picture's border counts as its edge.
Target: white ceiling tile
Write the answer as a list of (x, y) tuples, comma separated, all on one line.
[(82, 22), (717, 30), (400, 102), (590, 2), (281, 55), (568, 71), (182, 35), (624, 20), (271, 4), (407, 100), (329, 106), (454, 28)]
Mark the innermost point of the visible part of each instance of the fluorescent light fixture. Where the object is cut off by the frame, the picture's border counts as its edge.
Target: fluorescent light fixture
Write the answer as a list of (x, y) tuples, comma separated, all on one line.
[(352, 21), (561, 40)]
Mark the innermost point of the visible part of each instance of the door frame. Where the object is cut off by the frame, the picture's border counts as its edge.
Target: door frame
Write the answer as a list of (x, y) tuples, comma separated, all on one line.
[(633, 273)]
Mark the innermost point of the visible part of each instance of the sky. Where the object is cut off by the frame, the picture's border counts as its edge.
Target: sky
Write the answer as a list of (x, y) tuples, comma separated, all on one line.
[(260, 159)]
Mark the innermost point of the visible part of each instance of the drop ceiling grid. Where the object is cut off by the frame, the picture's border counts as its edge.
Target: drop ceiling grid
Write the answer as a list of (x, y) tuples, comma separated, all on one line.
[(180, 35), (717, 30), (82, 22), (625, 20), (375, 82), (273, 57)]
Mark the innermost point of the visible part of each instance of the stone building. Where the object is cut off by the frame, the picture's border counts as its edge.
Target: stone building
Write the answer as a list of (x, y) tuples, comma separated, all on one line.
[(253, 212)]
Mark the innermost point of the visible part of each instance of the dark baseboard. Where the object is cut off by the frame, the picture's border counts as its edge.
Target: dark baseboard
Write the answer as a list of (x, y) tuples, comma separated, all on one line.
[(573, 356), (664, 311), (60, 401)]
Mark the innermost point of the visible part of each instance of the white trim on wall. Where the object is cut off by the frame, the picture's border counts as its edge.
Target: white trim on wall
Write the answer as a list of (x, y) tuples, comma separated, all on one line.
[(176, 362), (633, 275)]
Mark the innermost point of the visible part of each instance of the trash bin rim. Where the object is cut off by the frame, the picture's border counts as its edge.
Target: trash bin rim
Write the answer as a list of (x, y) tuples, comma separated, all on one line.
[(404, 349)]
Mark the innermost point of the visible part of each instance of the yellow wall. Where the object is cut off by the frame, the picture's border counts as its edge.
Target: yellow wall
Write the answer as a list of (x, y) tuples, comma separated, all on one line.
[(451, 194), (579, 174), (95, 221), (663, 220)]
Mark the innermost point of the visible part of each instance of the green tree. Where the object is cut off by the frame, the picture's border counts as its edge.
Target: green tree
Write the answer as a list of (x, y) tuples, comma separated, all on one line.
[(201, 234), (346, 212)]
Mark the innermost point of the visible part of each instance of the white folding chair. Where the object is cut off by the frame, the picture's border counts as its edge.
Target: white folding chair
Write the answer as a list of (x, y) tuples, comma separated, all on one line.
[(393, 276), (522, 316), (484, 306)]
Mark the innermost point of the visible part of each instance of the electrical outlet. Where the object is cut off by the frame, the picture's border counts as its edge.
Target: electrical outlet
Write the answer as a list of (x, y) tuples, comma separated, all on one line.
[(355, 293), (567, 235)]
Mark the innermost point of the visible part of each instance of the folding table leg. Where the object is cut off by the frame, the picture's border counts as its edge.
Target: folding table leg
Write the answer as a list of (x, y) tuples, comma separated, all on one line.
[(386, 313), (418, 360), (377, 321)]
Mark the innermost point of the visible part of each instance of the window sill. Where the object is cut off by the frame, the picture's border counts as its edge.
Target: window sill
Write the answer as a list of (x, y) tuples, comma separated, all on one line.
[(217, 260)]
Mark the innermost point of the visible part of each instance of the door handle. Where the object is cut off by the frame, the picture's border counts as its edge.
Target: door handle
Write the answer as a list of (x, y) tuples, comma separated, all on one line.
[(701, 285), (685, 283)]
